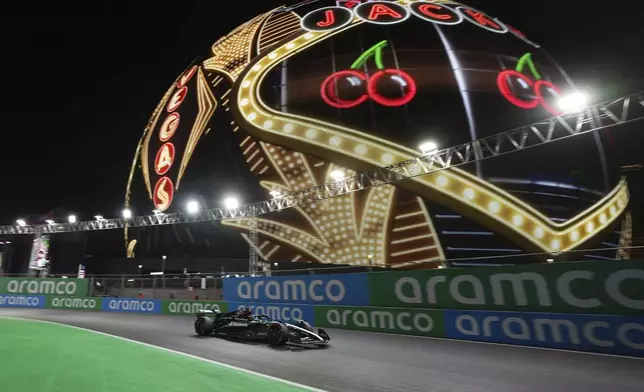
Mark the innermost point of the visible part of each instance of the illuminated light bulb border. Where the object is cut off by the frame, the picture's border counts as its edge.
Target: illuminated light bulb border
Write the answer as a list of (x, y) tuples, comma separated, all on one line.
[(494, 207), (274, 186), (274, 25), (389, 193), (353, 143), (544, 236), (360, 251), (442, 181), (242, 224), (235, 46), (345, 199), (546, 247), (376, 144), (348, 198), (300, 130), (439, 247), (268, 185), (359, 230), (207, 104), (365, 148), (539, 233), (368, 214), (518, 220), (469, 193)]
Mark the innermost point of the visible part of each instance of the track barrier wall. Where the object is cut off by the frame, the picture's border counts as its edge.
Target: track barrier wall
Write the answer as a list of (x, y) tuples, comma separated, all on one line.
[(45, 286), (23, 301), (348, 289), (615, 287), (584, 306), (112, 304), (610, 334), (418, 322), (284, 312)]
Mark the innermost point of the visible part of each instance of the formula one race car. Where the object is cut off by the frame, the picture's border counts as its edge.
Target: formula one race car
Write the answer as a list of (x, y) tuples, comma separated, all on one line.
[(243, 324)]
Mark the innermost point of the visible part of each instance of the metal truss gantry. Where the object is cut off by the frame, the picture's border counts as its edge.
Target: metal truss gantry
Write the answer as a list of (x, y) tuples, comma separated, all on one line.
[(590, 119), (253, 243)]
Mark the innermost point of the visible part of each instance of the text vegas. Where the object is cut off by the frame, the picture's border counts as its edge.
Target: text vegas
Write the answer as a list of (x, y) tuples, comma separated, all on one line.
[(163, 193), (387, 13)]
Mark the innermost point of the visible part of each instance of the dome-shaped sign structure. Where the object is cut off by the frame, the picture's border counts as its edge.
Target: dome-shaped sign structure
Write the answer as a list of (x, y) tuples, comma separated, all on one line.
[(303, 95)]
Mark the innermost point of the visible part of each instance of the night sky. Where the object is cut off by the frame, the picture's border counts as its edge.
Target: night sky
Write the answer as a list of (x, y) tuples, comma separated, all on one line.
[(80, 84)]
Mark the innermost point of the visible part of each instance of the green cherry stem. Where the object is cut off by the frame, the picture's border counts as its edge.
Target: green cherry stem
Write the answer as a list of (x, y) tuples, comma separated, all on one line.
[(374, 51), (526, 59)]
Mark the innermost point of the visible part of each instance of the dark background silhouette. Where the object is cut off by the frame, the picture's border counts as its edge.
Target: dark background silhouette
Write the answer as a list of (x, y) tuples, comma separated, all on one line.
[(80, 82)]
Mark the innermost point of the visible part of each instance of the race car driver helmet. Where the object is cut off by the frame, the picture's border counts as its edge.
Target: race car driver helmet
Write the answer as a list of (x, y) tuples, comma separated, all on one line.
[(244, 312)]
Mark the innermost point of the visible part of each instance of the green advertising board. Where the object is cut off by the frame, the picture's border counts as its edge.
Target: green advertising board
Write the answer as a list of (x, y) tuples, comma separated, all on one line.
[(73, 303), (611, 287), (45, 286), (419, 322), (185, 308)]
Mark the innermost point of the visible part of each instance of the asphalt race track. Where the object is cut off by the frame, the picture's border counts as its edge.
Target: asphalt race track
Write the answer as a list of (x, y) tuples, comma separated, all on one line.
[(360, 361)]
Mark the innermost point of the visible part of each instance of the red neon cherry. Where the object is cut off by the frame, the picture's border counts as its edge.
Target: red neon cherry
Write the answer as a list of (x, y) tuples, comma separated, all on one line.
[(352, 89), (391, 87), (546, 91), (522, 84)]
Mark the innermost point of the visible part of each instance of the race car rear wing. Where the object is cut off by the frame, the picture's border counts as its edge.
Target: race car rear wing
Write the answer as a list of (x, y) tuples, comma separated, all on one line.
[(204, 312)]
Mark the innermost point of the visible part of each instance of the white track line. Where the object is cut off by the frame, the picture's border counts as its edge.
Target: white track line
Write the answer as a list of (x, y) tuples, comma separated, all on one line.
[(231, 367), (498, 344)]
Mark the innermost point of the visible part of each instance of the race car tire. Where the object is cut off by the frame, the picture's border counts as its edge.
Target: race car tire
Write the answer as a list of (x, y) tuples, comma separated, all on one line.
[(204, 326), (277, 334), (305, 325)]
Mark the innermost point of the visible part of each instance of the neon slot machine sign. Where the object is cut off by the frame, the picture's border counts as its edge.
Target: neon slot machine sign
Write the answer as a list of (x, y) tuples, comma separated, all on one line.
[(388, 13), (394, 87), (519, 89), (359, 79)]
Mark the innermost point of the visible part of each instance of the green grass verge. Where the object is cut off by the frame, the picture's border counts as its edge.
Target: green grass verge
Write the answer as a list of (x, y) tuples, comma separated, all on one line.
[(45, 357)]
